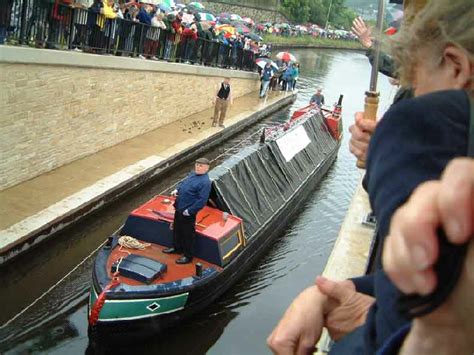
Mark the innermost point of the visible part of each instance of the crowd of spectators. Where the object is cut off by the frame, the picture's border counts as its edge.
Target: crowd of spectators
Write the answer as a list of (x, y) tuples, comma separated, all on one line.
[(132, 29), (311, 30)]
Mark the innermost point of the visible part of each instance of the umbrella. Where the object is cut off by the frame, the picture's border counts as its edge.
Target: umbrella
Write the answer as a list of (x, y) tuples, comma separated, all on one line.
[(254, 37), (187, 18), (180, 6), (224, 21), (226, 29), (241, 28), (235, 17), (261, 62), (248, 20), (197, 5), (286, 57), (164, 8), (204, 16), (168, 3)]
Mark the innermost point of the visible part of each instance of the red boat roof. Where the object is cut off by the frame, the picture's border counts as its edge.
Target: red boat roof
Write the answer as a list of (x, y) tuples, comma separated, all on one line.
[(209, 221)]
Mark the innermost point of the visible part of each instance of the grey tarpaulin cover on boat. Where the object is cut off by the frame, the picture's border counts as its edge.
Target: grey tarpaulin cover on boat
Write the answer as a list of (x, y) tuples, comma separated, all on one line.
[(256, 182)]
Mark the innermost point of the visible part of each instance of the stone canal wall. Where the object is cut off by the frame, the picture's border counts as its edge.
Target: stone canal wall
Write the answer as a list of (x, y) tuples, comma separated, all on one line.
[(57, 107), (259, 11)]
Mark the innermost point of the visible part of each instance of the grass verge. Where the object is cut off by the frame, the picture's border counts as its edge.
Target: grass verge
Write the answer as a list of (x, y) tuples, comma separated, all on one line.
[(309, 41)]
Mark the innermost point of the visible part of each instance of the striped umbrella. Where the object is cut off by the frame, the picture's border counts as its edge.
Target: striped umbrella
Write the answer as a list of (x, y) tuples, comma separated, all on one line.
[(261, 62), (286, 57)]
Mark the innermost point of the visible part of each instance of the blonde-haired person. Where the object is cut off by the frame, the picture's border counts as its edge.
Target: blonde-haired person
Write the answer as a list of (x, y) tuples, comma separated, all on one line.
[(412, 144)]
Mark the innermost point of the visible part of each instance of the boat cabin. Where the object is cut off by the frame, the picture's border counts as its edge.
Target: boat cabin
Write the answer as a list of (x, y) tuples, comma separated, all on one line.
[(219, 235)]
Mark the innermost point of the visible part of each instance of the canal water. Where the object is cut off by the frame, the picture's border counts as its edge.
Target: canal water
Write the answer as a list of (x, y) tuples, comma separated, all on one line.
[(58, 273)]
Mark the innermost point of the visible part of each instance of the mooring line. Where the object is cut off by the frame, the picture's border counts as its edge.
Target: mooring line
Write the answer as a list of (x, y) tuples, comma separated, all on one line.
[(50, 289)]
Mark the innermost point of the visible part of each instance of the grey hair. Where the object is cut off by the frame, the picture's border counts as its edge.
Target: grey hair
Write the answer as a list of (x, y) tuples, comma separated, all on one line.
[(440, 23)]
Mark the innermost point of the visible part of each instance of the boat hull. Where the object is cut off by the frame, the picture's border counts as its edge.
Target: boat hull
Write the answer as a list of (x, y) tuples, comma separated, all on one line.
[(139, 325)]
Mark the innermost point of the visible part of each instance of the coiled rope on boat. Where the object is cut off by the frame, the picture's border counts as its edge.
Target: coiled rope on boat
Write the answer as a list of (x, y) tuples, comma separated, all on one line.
[(132, 243)]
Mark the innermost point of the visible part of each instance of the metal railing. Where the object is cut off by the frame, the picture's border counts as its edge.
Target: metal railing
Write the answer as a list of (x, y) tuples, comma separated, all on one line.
[(48, 24)]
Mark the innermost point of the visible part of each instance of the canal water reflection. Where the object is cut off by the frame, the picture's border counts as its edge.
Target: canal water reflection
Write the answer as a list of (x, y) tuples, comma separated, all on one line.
[(240, 321)]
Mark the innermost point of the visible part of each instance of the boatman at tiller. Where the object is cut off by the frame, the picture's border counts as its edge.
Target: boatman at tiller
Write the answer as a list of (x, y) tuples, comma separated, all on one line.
[(221, 101), (318, 98), (191, 196)]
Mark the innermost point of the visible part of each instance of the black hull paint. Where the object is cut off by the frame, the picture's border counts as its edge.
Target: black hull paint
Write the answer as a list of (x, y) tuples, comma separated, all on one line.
[(201, 297)]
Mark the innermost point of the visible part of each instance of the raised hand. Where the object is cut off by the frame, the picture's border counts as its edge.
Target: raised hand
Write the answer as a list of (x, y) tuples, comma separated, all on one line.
[(363, 33)]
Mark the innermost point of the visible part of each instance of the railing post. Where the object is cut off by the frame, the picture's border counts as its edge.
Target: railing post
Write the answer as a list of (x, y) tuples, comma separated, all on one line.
[(72, 28), (217, 54), (23, 29)]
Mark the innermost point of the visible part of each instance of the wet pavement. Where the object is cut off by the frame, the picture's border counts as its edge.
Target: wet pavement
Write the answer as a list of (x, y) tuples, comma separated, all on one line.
[(240, 321)]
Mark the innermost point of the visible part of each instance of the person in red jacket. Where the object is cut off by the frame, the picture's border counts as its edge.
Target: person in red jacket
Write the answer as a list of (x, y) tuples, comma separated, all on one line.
[(188, 42)]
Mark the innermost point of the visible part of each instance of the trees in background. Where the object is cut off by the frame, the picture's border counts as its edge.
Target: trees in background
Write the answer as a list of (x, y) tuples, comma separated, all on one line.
[(316, 11)]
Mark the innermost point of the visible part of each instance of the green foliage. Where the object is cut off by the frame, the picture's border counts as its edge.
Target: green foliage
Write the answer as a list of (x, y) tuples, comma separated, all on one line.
[(316, 11), (312, 42), (296, 10)]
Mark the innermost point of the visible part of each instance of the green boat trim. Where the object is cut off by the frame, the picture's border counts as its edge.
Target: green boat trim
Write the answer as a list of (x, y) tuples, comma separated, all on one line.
[(118, 310)]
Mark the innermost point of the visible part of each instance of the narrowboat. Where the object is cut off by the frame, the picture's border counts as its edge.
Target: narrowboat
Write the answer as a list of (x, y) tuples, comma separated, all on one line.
[(138, 290)]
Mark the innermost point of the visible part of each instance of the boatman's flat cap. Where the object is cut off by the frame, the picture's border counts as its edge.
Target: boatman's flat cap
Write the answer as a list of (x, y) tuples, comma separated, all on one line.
[(204, 161)]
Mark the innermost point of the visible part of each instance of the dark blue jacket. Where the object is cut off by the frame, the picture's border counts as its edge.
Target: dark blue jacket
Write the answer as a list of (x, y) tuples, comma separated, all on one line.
[(413, 143), (144, 17), (267, 73), (193, 193)]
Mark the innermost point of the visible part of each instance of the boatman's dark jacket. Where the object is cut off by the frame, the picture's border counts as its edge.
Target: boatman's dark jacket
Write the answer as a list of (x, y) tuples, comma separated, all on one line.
[(193, 193), (412, 144)]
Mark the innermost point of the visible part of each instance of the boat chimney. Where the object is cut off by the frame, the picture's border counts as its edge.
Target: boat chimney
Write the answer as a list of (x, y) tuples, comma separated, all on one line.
[(339, 103), (198, 269), (262, 137)]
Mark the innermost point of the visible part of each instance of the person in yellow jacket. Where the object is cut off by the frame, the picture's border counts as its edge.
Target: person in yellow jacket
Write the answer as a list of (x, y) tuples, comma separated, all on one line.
[(99, 12)]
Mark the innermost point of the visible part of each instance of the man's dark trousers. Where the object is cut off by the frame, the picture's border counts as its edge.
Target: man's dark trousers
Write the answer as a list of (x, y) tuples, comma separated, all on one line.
[(184, 233)]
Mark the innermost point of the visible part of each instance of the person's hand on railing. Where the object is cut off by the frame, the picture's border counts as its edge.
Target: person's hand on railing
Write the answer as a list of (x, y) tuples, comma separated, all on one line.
[(332, 304), (361, 131)]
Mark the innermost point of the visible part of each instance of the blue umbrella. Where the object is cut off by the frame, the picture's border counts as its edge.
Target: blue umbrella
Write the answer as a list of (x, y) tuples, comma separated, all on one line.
[(165, 8)]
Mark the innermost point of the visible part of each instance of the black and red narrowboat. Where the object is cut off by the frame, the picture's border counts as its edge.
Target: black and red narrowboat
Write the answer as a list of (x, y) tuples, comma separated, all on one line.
[(254, 194)]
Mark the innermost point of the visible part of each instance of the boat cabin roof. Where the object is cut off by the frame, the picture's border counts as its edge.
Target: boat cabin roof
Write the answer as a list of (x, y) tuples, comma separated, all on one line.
[(209, 221)]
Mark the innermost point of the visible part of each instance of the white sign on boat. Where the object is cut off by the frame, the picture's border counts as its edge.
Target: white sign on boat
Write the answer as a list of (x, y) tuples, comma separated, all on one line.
[(293, 142)]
